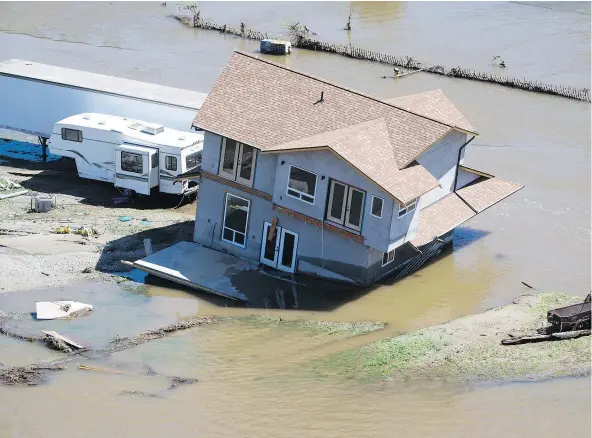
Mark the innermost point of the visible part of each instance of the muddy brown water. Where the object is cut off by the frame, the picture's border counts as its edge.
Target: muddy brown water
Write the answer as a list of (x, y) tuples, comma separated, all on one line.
[(250, 379)]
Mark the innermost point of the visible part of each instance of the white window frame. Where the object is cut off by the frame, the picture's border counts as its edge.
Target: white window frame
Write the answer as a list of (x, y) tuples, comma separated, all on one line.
[(235, 231), (372, 206), (350, 192), (389, 258), (288, 188), (407, 208), (134, 154), (346, 209), (169, 160), (339, 220), (237, 163)]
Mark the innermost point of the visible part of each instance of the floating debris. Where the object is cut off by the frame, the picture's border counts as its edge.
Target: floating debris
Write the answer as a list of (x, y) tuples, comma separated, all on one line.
[(58, 342), (139, 394), (302, 40), (178, 381), (61, 309), (119, 344), (28, 375)]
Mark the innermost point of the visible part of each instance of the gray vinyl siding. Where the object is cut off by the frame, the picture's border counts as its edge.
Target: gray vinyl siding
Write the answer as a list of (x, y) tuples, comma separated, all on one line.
[(441, 160), (210, 160), (209, 219), (329, 166)]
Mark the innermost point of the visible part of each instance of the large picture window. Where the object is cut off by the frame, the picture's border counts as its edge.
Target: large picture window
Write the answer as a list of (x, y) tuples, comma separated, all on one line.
[(131, 162), (346, 205), (236, 219), (237, 161), (71, 134), (302, 184)]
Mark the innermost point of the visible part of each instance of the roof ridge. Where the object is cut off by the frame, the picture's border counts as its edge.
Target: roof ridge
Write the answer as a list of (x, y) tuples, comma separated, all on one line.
[(367, 96)]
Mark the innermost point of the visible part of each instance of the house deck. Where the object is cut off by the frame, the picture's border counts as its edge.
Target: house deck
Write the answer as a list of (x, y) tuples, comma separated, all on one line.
[(198, 267)]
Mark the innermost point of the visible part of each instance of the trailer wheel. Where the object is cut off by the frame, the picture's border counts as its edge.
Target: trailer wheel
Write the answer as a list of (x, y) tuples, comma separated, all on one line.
[(128, 192)]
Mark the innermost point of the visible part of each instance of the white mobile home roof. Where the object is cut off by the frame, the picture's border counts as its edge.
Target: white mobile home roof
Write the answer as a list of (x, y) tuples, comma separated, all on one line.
[(102, 83)]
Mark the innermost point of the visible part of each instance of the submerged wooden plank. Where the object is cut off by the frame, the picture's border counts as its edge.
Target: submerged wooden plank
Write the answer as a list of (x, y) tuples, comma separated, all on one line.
[(59, 337)]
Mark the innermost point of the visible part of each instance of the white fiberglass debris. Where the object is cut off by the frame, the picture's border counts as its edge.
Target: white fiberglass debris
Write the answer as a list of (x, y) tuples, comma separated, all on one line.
[(59, 309)]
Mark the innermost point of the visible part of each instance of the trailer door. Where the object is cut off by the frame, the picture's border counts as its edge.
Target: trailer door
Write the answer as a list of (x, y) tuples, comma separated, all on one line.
[(132, 168)]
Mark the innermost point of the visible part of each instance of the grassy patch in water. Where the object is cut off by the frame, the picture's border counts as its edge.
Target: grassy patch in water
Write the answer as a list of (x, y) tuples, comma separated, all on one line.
[(381, 358), (316, 327), (470, 348)]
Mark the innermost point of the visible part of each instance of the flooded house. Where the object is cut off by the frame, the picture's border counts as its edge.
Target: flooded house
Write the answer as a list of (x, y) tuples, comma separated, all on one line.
[(304, 175)]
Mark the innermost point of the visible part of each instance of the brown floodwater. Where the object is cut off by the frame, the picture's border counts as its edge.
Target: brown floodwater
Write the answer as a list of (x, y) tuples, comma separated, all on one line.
[(254, 381)]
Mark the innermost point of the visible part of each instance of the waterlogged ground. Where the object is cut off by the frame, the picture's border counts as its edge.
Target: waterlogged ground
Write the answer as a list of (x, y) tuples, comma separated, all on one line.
[(258, 381), (470, 348)]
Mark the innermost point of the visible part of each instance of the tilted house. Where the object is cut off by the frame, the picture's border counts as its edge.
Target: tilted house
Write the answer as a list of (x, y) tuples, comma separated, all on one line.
[(308, 176)]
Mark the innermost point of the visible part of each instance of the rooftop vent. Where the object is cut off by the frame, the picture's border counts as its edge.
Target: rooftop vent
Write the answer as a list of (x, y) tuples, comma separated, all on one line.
[(102, 122), (135, 125), (182, 138), (153, 129), (86, 116)]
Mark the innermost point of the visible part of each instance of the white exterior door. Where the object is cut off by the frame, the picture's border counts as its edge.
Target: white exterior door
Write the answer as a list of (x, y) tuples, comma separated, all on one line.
[(278, 249), (287, 254), (354, 209), (270, 246)]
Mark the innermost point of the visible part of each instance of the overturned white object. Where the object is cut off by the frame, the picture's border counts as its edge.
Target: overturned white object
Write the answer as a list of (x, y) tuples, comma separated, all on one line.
[(59, 309), (59, 337)]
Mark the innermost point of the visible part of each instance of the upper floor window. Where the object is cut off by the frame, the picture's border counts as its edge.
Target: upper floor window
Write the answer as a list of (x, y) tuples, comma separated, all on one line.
[(407, 208), (302, 184), (376, 207), (237, 161), (346, 205), (71, 134)]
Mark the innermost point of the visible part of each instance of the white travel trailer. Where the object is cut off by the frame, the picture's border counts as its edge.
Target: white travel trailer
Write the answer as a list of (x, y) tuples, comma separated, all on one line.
[(132, 154)]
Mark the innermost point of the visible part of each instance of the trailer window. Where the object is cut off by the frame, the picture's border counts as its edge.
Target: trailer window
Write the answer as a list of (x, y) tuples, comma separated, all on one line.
[(170, 163), (192, 160), (71, 135), (131, 162), (154, 161)]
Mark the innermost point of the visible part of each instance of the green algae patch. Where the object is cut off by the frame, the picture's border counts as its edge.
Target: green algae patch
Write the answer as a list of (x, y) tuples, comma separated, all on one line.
[(470, 348)]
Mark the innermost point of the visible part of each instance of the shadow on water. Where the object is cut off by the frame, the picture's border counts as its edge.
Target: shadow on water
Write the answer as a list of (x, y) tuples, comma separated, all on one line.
[(465, 236)]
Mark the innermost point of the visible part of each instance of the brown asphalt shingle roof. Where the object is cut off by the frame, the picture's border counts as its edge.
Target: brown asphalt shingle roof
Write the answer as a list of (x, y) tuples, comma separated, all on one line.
[(264, 104), (436, 105), (353, 144), (451, 211), (440, 217), (485, 192)]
